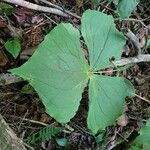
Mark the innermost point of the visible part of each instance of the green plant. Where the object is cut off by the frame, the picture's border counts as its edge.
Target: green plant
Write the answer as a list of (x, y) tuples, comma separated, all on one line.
[(125, 7), (27, 89), (148, 43), (5, 9), (59, 72), (143, 140), (13, 47), (43, 134)]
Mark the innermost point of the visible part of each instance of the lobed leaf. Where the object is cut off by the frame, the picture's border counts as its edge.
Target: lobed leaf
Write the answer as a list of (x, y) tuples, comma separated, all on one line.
[(107, 95), (125, 7), (58, 72), (104, 41)]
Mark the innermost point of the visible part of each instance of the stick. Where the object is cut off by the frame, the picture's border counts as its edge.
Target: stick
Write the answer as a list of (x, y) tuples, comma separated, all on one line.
[(60, 8), (142, 98), (132, 37), (29, 5), (133, 60)]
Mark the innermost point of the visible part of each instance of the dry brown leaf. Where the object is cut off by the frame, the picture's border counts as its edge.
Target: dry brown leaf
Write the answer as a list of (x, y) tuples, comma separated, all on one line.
[(122, 120), (27, 52), (3, 57), (45, 118)]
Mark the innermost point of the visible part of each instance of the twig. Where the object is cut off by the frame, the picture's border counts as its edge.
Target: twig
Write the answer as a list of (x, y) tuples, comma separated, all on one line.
[(132, 37), (132, 19), (41, 123), (60, 8), (29, 120), (29, 5), (142, 98), (133, 60), (137, 59), (28, 146)]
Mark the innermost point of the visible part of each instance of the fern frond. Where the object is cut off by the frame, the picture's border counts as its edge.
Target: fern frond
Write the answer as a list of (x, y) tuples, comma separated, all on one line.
[(43, 134)]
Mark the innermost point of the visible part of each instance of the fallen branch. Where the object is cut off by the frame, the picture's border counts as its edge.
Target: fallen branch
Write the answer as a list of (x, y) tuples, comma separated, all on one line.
[(132, 60), (132, 37), (29, 5), (60, 8)]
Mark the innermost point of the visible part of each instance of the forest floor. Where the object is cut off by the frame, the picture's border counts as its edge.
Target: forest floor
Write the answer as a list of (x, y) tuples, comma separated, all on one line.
[(21, 107)]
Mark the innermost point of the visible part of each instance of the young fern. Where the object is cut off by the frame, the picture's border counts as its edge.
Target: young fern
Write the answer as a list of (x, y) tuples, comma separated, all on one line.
[(44, 134)]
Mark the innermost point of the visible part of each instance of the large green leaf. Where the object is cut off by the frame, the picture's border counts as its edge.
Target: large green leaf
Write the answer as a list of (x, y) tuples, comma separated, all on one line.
[(104, 41), (58, 72), (143, 140), (106, 96), (125, 7)]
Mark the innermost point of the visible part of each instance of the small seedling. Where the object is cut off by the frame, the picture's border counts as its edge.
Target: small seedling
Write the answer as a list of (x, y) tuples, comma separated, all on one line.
[(13, 47)]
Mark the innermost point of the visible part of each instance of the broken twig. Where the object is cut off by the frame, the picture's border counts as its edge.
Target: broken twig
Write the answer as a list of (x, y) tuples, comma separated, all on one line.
[(29, 5), (60, 8), (133, 60)]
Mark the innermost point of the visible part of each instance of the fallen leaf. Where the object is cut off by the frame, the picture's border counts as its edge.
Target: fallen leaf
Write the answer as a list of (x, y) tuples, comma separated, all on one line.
[(27, 52), (45, 118), (3, 57), (122, 120), (2, 23)]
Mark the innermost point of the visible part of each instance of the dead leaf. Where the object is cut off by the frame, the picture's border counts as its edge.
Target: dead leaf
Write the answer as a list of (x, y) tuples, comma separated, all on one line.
[(3, 57), (26, 18), (122, 120), (2, 23), (27, 52), (45, 118), (126, 50)]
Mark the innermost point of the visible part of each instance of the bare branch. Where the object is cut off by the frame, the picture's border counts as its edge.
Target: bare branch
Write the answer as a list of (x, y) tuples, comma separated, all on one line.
[(131, 36), (29, 5), (133, 60), (60, 8)]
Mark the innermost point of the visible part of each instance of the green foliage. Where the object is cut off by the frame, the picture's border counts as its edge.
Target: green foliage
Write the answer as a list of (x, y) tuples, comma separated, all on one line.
[(116, 2), (104, 41), (27, 89), (143, 140), (13, 47), (125, 7), (148, 44), (95, 1), (5, 9), (44, 134), (62, 142), (59, 72)]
